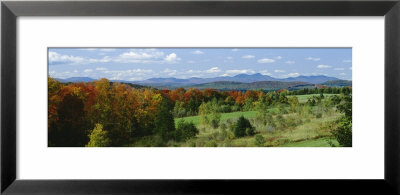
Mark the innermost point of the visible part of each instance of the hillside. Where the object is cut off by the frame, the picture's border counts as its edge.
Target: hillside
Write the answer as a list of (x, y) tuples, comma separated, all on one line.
[(338, 83), (264, 85)]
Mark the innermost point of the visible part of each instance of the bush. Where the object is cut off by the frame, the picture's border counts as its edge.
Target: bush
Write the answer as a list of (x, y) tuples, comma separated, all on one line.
[(259, 140), (214, 119), (211, 144), (185, 130), (243, 127), (99, 137), (343, 133), (250, 131)]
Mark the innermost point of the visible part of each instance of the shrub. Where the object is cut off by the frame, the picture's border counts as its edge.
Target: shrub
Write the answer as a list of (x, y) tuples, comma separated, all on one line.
[(211, 144), (343, 133), (185, 130), (157, 141), (214, 119), (250, 131), (259, 140), (240, 128), (99, 137)]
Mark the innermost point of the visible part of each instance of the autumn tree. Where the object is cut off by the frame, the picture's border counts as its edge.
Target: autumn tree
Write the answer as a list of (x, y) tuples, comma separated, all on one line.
[(99, 137)]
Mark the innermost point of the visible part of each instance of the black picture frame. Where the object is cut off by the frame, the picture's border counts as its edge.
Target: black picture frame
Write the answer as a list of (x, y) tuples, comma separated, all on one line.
[(11, 10)]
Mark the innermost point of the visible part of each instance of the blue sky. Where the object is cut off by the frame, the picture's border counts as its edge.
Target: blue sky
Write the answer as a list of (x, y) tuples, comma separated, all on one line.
[(134, 64)]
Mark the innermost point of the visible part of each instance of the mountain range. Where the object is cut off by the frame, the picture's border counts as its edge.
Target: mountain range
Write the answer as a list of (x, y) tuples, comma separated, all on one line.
[(240, 81)]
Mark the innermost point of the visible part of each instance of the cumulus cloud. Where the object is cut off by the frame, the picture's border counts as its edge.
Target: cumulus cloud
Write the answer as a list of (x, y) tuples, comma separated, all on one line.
[(342, 74), (248, 56), (338, 69), (265, 72), (266, 60), (171, 58), (279, 70), (197, 52), (235, 49), (132, 55), (238, 71), (213, 70), (101, 68), (323, 66), (313, 59), (293, 74), (278, 57), (105, 59), (290, 62), (56, 58), (88, 70), (170, 72)]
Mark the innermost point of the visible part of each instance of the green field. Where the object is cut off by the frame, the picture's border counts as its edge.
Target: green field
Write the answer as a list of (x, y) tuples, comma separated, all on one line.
[(304, 98), (313, 132), (224, 116)]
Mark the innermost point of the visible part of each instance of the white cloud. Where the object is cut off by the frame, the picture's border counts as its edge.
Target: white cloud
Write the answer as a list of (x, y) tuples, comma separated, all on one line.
[(313, 59), (266, 60), (235, 49), (229, 58), (75, 71), (278, 57), (347, 61), (294, 74), (101, 68), (290, 62), (171, 58), (213, 70), (279, 70), (105, 59), (265, 72), (88, 70), (323, 66), (56, 58), (191, 62), (248, 56), (342, 74), (236, 71), (197, 52), (193, 71), (170, 72), (338, 69), (132, 55)]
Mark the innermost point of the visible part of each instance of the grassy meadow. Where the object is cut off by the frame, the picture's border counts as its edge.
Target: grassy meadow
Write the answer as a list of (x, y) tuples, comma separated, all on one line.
[(314, 132)]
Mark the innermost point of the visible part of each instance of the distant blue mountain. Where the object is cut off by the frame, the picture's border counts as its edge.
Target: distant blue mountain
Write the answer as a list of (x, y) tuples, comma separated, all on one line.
[(242, 78)]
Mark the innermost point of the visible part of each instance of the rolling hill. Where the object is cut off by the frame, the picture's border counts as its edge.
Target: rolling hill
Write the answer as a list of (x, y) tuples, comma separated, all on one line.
[(263, 85), (238, 82)]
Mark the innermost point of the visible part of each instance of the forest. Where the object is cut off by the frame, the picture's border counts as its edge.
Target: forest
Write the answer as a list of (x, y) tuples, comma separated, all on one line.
[(112, 114)]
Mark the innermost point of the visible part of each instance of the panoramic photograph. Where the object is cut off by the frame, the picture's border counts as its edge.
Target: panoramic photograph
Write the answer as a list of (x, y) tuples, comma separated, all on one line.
[(199, 97)]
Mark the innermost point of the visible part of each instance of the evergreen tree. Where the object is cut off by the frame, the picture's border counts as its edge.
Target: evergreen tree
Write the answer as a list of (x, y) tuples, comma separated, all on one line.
[(164, 122), (243, 127)]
